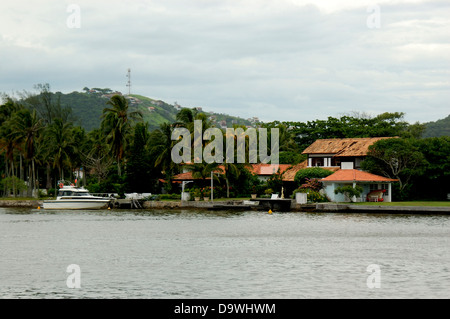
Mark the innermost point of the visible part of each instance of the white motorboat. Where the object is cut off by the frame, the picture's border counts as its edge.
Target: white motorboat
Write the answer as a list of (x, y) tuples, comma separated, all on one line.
[(71, 197)]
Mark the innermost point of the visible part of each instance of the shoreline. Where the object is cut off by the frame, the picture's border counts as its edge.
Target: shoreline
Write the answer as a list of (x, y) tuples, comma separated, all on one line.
[(238, 205)]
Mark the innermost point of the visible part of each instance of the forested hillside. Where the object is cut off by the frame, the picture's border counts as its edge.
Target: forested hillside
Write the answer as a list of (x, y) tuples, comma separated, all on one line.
[(438, 128), (87, 108)]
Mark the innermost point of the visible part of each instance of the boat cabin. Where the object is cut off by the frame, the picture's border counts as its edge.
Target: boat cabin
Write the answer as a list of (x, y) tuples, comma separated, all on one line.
[(70, 191)]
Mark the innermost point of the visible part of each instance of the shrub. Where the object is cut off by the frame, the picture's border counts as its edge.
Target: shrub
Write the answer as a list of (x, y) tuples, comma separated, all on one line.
[(313, 184), (196, 192), (311, 172), (51, 192), (13, 183), (316, 197), (206, 191), (42, 194), (349, 191)]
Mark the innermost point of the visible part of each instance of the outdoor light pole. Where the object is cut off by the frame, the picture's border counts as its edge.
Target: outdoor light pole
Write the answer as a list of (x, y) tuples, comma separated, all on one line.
[(182, 187), (212, 186)]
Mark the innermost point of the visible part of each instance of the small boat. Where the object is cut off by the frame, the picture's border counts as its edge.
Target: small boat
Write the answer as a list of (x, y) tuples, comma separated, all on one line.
[(71, 197)]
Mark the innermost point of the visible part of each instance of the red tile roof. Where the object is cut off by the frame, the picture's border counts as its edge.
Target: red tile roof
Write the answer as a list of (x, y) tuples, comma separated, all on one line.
[(184, 177), (258, 169), (269, 169), (354, 175), (289, 175)]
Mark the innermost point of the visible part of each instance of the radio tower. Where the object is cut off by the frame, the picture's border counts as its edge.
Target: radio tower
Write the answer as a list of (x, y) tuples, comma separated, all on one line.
[(129, 81)]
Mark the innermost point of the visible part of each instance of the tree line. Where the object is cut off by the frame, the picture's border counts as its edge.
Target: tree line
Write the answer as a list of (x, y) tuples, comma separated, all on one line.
[(41, 145)]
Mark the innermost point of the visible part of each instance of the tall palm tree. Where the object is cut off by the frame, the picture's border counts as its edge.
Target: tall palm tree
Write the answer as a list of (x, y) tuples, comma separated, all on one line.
[(59, 144), (231, 167), (161, 146), (116, 125), (185, 118), (80, 146), (26, 127), (8, 143)]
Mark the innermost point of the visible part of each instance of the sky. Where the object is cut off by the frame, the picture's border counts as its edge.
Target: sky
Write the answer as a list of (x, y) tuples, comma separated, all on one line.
[(286, 60)]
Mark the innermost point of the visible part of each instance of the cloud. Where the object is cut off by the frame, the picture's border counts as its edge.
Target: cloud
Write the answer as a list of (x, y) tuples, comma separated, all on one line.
[(279, 60)]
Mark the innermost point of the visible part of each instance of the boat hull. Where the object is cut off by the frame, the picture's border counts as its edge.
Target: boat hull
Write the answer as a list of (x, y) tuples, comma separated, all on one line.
[(76, 204)]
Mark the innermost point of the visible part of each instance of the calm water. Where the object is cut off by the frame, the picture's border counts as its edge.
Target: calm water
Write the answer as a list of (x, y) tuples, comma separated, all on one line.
[(200, 254)]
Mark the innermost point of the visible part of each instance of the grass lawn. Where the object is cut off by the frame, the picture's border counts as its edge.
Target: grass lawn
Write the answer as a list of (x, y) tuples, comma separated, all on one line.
[(412, 203), (215, 199)]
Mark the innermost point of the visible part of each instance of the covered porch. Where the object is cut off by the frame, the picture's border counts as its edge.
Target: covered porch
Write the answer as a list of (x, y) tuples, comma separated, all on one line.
[(374, 187)]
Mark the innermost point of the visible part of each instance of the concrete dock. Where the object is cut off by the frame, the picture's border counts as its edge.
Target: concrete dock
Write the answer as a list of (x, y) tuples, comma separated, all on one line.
[(245, 205)]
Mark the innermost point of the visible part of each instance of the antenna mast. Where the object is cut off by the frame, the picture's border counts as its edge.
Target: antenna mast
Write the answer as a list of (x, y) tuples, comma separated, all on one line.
[(129, 81)]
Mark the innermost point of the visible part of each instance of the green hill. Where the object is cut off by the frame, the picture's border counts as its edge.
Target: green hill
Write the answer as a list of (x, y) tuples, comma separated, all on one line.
[(438, 128), (87, 108)]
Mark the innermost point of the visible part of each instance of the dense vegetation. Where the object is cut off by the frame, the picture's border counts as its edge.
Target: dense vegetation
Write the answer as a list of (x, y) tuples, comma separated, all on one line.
[(438, 128), (87, 108), (43, 142)]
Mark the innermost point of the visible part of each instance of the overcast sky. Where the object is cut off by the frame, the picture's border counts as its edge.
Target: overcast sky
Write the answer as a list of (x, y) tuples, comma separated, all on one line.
[(287, 60)]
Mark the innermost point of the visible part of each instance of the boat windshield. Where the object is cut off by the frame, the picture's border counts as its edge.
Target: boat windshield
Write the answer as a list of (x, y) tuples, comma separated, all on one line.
[(80, 194), (71, 193)]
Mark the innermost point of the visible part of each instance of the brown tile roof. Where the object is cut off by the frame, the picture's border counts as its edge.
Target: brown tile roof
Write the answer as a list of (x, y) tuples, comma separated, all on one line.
[(258, 169), (184, 177), (354, 175), (342, 146), (269, 169), (289, 175)]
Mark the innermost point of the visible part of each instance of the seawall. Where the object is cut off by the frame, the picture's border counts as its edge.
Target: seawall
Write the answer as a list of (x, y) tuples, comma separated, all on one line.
[(21, 203), (238, 204), (381, 209)]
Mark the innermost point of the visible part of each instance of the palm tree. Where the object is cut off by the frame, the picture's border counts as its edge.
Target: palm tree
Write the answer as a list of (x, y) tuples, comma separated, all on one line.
[(231, 167), (160, 147), (8, 143), (96, 159), (59, 144), (117, 126), (26, 128), (139, 164), (185, 118), (203, 170), (80, 146)]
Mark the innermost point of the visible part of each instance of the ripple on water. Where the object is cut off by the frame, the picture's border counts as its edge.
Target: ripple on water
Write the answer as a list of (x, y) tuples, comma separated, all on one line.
[(202, 254)]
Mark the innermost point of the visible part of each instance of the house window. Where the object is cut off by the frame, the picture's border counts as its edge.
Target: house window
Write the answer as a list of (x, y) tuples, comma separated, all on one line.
[(386, 187), (317, 161), (335, 161), (375, 187)]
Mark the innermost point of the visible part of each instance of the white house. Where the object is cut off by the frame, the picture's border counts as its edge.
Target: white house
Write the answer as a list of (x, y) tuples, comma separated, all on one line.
[(375, 187), (339, 152)]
